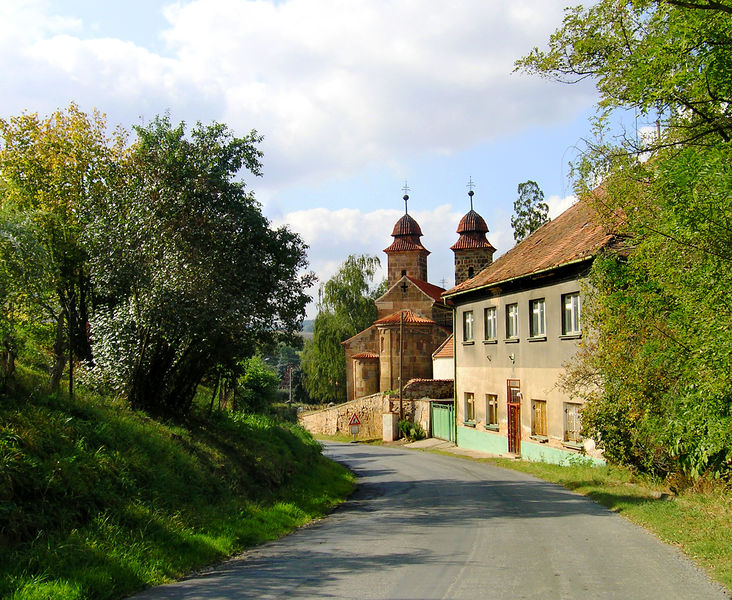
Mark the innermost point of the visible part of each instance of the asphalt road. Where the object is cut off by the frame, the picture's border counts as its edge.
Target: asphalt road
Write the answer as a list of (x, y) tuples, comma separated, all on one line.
[(423, 526)]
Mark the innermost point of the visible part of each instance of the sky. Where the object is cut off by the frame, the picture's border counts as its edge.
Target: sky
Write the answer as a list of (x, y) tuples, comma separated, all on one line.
[(354, 98)]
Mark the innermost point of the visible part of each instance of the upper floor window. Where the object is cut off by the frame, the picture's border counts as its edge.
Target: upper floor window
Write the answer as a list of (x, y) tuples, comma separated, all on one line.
[(571, 314), (512, 322), (537, 325), (468, 326), (491, 329)]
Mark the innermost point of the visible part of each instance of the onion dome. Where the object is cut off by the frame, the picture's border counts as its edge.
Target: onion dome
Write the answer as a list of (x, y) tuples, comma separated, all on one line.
[(472, 230), (406, 234)]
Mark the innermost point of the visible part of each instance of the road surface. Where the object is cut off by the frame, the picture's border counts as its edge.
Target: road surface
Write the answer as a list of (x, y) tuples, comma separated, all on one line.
[(426, 526)]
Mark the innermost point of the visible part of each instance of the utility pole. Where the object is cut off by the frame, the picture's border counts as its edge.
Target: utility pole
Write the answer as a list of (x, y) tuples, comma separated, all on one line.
[(401, 362)]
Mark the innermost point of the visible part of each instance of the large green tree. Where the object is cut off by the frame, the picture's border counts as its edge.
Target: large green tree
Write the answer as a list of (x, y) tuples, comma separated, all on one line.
[(50, 169), (658, 371), (346, 306), (190, 276), (529, 210)]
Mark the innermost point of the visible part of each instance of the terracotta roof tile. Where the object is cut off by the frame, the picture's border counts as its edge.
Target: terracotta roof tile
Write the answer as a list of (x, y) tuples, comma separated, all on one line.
[(433, 291), (445, 350), (409, 319), (574, 235), (362, 355)]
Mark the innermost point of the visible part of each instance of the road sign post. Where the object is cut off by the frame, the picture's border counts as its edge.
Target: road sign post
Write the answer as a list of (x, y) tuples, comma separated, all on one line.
[(354, 424)]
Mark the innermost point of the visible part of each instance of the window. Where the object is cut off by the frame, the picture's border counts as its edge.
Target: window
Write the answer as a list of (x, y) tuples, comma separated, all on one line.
[(468, 326), (512, 323), (471, 272), (572, 425), (537, 325), (491, 332), (538, 418), (571, 314), (469, 406), (491, 410)]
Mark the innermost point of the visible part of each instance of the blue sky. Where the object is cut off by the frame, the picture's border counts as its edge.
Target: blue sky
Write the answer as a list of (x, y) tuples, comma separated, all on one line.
[(353, 97)]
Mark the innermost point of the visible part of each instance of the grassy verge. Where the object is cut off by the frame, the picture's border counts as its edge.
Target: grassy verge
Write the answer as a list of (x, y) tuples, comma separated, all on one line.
[(697, 520), (97, 501), (342, 437)]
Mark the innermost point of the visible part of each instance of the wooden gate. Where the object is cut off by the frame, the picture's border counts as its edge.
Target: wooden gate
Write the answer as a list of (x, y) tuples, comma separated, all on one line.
[(513, 405), (442, 417)]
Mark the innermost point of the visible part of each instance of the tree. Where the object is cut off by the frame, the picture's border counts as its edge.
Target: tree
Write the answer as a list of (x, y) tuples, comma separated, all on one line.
[(189, 274), (529, 210), (657, 372), (346, 307), (50, 170)]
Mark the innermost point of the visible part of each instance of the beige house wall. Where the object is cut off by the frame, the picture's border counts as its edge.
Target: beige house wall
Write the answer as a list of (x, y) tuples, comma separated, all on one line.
[(484, 366)]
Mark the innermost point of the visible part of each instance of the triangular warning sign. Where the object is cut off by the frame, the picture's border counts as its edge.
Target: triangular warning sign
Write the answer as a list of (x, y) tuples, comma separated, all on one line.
[(354, 420)]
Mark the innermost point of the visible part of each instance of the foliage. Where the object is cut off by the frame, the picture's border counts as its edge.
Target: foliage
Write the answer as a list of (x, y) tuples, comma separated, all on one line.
[(529, 210), (189, 275), (98, 501), (657, 374), (346, 307), (257, 387), (412, 431), (49, 170)]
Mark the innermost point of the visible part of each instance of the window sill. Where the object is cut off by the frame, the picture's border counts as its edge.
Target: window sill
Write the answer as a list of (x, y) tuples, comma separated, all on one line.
[(491, 427), (511, 341), (538, 338), (542, 439), (573, 446), (570, 336), (490, 341), (468, 342), (469, 423)]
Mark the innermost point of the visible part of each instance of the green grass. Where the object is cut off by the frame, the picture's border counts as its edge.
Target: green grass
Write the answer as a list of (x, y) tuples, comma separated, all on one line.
[(698, 520), (98, 501)]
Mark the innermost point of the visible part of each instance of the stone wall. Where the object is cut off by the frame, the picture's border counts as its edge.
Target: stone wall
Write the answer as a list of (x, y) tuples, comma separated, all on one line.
[(335, 419), (414, 262), (437, 389), (478, 258)]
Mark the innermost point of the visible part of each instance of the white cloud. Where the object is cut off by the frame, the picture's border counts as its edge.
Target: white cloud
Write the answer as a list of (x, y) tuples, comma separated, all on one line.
[(333, 86), (558, 204)]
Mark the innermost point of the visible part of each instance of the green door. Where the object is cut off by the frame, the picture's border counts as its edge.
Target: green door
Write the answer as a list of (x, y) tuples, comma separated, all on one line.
[(443, 419)]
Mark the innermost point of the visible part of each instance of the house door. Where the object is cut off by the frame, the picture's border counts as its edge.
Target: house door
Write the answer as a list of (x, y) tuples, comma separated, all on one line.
[(443, 419), (513, 405)]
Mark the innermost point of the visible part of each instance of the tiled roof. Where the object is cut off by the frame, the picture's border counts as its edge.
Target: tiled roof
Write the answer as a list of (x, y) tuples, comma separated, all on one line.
[(433, 291), (472, 221), (409, 319), (406, 235), (362, 355), (406, 226), (445, 350), (468, 241), (406, 243), (573, 236)]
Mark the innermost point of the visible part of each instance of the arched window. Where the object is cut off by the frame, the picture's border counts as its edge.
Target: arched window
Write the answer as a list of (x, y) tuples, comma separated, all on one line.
[(471, 272)]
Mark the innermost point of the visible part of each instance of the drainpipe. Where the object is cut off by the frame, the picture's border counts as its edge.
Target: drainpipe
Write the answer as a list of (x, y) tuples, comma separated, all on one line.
[(401, 352), (454, 376)]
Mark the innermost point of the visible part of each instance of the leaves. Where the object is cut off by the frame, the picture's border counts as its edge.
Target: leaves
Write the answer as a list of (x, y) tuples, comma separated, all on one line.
[(529, 210)]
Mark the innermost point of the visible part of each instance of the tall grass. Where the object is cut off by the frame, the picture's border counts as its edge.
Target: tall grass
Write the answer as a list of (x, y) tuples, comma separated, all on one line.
[(97, 501)]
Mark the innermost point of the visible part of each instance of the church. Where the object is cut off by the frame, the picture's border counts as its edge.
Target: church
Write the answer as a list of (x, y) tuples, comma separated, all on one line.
[(413, 319)]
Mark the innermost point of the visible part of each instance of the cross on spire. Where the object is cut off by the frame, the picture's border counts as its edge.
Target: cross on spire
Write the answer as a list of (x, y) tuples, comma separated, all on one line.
[(405, 189), (470, 186)]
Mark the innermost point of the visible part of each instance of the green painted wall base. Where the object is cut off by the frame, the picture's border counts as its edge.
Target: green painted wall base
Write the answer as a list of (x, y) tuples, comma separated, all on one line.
[(496, 443)]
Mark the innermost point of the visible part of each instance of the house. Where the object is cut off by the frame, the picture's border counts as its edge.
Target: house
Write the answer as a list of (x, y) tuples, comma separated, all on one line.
[(518, 322), (414, 319)]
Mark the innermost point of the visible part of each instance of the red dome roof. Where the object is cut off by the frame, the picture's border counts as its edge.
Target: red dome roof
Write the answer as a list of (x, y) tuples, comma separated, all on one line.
[(406, 226), (472, 222)]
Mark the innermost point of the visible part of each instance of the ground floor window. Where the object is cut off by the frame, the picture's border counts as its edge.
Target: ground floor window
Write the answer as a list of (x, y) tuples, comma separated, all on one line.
[(491, 410), (538, 417), (572, 425), (469, 406)]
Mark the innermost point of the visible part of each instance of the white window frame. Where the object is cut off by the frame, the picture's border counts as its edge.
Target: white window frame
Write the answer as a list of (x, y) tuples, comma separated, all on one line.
[(469, 401), (571, 314), (468, 328), (537, 317), (512, 321), (491, 400), (490, 316), (576, 438)]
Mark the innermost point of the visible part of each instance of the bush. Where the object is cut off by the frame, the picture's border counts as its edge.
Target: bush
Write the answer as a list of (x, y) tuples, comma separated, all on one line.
[(412, 431)]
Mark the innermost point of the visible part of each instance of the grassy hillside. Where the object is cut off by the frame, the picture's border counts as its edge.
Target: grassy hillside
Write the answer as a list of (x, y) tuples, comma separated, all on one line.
[(97, 501)]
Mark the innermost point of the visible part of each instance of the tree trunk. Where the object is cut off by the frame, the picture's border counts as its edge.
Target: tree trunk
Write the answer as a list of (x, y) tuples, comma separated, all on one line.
[(59, 352)]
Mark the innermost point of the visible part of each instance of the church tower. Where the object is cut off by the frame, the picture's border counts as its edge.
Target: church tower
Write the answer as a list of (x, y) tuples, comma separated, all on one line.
[(473, 252), (406, 255)]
